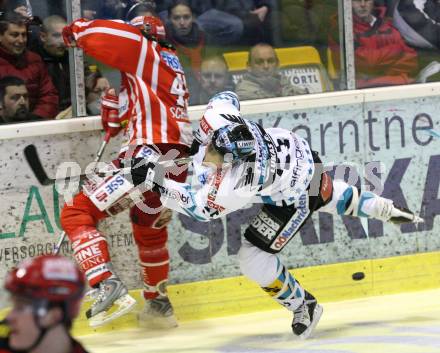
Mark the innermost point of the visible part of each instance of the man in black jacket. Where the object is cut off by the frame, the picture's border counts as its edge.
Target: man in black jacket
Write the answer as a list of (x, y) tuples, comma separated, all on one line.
[(52, 50)]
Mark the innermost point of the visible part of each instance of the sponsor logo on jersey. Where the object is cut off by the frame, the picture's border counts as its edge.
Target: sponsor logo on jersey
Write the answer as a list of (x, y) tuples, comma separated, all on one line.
[(171, 60), (265, 225), (123, 102), (216, 185), (246, 144), (294, 223), (296, 173), (145, 152), (101, 196), (88, 252), (297, 169), (115, 184), (204, 125), (176, 195), (215, 206)]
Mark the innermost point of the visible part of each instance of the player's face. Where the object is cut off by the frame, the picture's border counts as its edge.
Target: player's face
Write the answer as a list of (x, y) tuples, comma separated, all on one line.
[(263, 61), (23, 328), (363, 9), (15, 106), (213, 76), (213, 158), (53, 40), (182, 20), (14, 39)]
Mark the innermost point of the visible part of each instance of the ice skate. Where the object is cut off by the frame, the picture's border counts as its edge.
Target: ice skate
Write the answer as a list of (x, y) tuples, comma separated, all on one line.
[(158, 313), (111, 302), (399, 215), (306, 317)]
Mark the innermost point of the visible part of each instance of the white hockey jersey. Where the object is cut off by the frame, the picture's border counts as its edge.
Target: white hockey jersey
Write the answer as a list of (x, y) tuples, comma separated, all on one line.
[(278, 174)]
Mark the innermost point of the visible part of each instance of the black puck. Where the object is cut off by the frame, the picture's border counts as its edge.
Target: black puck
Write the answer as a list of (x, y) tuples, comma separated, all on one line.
[(357, 276)]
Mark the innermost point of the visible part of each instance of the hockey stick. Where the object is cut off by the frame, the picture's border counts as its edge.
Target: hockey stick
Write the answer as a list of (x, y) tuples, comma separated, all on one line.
[(57, 247), (62, 236), (33, 159), (31, 155)]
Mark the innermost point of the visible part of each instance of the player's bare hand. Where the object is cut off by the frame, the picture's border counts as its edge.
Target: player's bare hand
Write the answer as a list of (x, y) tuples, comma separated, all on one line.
[(261, 12), (22, 10)]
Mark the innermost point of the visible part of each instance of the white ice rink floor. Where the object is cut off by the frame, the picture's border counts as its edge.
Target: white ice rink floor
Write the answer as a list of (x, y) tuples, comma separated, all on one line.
[(401, 323)]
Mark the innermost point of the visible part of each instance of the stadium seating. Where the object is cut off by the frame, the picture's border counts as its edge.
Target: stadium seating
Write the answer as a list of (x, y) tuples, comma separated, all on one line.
[(302, 64)]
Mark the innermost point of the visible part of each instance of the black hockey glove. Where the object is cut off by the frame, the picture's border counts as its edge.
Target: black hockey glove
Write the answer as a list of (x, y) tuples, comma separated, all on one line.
[(148, 173)]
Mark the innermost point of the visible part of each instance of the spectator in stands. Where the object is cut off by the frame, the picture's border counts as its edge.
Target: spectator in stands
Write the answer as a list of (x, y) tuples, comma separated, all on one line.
[(305, 22), (105, 9), (18, 7), (141, 8), (54, 53), (214, 78), (14, 100), (381, 56), (96, 86), (419, 25), (254, 15), (263, 79), (221, 27), (184, 33), (16, 60), (233, 21)]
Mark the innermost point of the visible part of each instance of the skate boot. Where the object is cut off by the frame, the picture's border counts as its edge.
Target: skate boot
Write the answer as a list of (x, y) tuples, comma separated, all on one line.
[(111, 302), (158, 313), (306, 317), (399, 215)]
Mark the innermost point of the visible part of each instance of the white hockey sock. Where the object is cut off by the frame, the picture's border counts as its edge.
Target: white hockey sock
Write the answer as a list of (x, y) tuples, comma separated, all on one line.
[(285, 289)]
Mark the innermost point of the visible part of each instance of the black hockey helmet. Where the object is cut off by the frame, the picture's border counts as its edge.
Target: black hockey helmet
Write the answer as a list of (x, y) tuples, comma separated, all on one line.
[(235, 139)]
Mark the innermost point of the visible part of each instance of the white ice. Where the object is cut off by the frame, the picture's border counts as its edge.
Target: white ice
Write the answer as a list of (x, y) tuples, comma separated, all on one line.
[(401, 323)]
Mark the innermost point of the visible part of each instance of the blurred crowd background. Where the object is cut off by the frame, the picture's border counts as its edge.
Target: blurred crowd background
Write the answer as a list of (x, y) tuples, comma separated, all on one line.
[(259, 48)]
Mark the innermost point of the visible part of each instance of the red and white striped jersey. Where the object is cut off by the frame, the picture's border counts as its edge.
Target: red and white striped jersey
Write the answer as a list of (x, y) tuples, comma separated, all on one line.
[(154, 95)]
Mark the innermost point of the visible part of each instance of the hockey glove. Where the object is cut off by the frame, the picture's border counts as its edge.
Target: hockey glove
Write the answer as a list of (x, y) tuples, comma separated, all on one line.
[(147, 173), (111, 121), (68, 37)]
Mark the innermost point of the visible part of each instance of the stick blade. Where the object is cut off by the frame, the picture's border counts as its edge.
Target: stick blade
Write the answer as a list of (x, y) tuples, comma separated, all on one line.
[(31, 155)]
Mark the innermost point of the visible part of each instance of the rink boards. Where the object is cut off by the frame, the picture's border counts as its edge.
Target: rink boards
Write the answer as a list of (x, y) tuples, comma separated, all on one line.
[(390, 132)]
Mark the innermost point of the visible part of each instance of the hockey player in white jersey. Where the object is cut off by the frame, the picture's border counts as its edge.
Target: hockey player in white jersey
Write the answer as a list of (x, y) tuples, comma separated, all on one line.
[(237, 163)]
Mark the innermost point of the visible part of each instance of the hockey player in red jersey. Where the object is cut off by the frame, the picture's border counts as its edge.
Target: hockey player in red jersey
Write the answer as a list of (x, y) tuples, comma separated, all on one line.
[(153, 104), (45, 297)]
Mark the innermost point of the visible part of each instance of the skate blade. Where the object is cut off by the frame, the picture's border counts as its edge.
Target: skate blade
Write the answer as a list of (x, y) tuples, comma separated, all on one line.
[(120, 307), (317, 313), (154, 322), (404, 216)]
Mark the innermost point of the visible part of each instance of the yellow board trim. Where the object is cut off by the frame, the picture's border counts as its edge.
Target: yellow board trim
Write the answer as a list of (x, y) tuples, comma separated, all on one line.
[(238, 295)]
